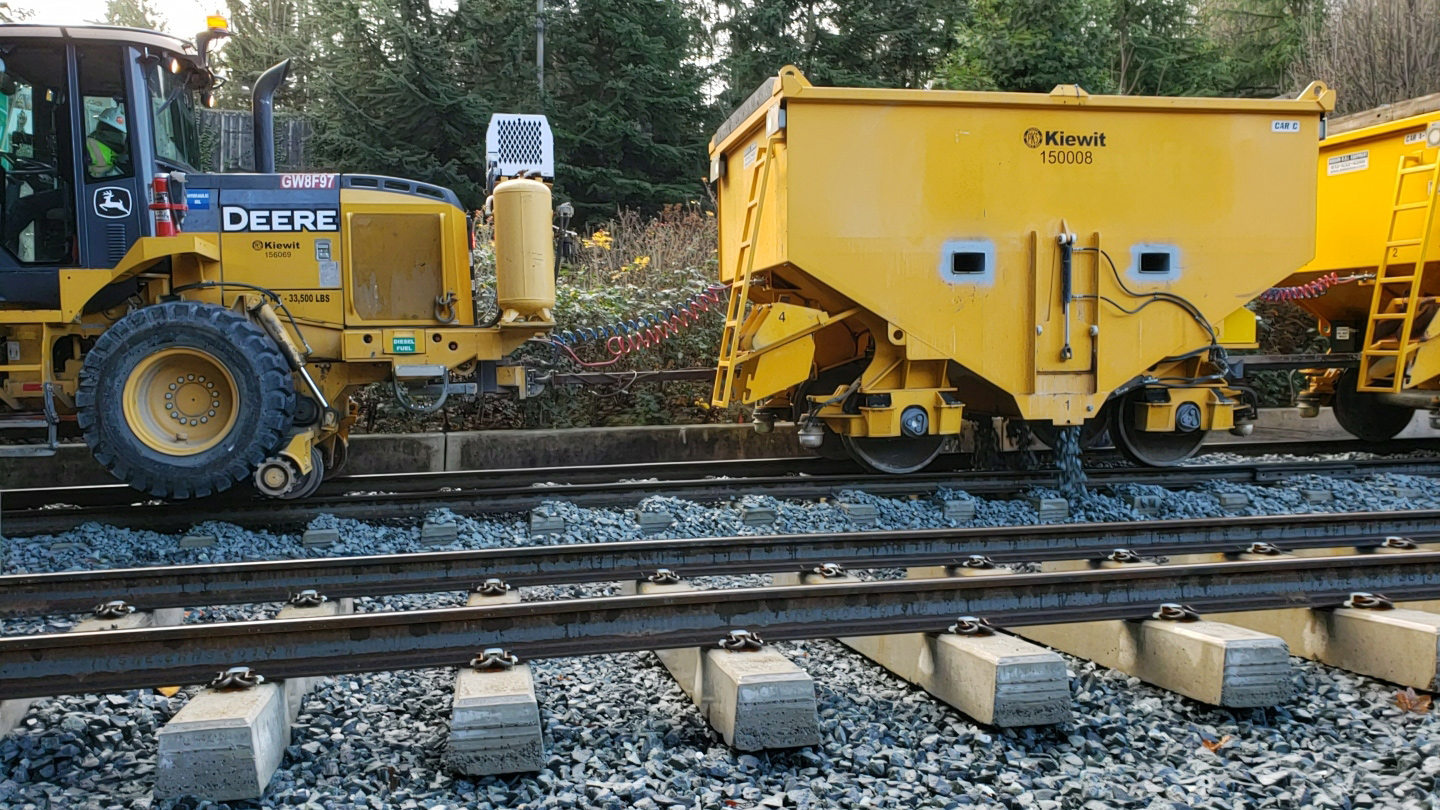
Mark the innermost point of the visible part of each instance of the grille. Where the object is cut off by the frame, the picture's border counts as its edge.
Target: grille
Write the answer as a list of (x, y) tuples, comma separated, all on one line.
[(516, 143), (116, 243)]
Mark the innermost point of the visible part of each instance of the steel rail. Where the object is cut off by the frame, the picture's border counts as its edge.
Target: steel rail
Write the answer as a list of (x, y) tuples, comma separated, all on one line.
[(32, 666), (150, 588), (515, 497)]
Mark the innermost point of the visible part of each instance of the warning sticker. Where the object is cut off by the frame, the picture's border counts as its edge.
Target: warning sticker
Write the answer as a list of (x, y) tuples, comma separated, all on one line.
[(1352, 162), (751, 152)]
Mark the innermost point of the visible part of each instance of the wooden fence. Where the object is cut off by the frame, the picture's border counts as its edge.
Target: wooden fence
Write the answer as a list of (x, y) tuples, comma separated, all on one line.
[(227, 138)]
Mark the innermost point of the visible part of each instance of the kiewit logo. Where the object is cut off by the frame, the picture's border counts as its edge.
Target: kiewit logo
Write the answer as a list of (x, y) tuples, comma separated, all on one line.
[(1034, 138), (262, 245)]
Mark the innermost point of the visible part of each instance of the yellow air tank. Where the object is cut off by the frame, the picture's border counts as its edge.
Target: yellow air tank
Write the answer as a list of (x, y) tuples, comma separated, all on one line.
[(524, 252), (898, 258)]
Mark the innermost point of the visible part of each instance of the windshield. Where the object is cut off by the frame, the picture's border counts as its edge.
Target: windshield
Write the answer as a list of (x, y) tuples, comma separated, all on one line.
[(172, 101)]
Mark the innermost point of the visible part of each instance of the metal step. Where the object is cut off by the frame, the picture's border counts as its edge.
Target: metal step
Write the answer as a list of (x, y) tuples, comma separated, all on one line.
[(26, 450)]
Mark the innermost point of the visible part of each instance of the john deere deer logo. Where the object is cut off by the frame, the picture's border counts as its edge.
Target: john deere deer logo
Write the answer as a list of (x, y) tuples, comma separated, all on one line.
[(112, 202)]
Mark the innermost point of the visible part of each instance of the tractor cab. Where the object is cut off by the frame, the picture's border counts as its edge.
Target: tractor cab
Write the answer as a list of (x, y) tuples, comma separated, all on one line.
[(90, 115)]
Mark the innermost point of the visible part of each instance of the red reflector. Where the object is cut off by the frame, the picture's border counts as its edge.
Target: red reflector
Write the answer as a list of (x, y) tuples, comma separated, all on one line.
[(32, 386)]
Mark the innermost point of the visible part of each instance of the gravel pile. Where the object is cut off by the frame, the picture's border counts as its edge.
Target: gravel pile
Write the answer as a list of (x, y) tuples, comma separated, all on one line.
[(620, 734)]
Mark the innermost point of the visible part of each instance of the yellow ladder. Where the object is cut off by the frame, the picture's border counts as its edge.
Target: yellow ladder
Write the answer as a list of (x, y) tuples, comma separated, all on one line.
[(1398, 347), (729, 355)]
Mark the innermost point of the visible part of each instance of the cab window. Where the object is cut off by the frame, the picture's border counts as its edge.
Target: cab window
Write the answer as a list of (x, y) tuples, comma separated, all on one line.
[(37, 216), (107, 150), (172, 104)]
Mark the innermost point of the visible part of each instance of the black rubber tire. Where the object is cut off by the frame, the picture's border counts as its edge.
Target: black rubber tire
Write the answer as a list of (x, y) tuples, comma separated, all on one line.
[(265, 399), (1362, 416)]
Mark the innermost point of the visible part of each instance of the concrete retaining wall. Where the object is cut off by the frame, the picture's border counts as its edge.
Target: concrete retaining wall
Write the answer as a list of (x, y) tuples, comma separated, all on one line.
[(503, 449), (470, 450)]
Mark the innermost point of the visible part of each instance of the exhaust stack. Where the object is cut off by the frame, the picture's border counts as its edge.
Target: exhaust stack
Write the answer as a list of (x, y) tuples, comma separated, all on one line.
[(262, 112)]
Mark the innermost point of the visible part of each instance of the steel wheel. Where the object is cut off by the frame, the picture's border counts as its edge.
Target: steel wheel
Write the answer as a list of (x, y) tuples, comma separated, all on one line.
[(1363, 415), (893, 455), (306, 485), (1150, 448), (180, 401)]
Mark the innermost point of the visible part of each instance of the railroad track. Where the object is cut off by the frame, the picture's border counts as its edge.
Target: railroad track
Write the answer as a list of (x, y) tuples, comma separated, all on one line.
[(1330, 565), (37, 511), (38, 665), (154, 587)]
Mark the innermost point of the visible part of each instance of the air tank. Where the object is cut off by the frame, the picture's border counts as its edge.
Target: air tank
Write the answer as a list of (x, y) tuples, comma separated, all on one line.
[(524, 252)]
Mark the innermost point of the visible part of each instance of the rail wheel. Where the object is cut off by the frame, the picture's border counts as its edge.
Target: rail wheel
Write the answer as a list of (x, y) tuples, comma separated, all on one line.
[(184, 399), (1362, 415), (305, 485), (893, 455), (831, 447), (1154, 448)]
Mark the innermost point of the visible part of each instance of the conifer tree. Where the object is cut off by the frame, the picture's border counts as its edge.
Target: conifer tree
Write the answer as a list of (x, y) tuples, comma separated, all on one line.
[(626, 99), (134, 14)]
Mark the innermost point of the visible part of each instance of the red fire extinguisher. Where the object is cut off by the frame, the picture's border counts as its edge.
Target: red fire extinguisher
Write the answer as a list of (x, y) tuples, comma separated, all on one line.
[(167, 223)]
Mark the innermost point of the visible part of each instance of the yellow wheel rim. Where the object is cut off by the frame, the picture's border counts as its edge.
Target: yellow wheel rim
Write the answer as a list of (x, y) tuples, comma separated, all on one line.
[(180, 401)]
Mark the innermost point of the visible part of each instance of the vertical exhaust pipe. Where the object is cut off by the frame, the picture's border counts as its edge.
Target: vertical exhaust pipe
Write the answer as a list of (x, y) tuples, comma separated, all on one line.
[(262, 112)]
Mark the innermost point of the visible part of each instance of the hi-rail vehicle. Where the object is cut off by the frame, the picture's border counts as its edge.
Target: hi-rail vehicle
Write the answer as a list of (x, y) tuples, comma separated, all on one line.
[(205, 329)]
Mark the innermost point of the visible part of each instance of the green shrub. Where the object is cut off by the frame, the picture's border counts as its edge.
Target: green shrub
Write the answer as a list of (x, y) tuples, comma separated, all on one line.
[(630, 267)]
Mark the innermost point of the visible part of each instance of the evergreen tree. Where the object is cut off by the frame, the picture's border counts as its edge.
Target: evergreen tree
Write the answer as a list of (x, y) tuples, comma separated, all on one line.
[(864, 43), (626, 99), (1032, 46), (265, 32), (133, 13), (387, 97)]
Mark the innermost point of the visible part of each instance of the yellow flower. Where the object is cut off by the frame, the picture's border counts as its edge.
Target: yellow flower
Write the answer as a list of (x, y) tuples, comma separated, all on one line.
[(600, 239), (642, 262)]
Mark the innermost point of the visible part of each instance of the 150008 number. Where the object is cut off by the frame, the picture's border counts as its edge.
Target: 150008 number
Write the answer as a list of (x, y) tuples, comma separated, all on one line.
[(307, 298), (1068, 157)]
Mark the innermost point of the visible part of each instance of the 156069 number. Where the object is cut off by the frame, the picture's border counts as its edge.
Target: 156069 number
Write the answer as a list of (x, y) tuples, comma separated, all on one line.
[(1068, 157)]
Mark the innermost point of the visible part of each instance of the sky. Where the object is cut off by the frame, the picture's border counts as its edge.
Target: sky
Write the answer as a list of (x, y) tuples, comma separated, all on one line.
[(183, 18)]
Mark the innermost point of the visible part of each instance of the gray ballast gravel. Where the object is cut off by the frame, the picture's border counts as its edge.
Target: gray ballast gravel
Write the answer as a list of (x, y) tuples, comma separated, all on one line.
[(620, 734)]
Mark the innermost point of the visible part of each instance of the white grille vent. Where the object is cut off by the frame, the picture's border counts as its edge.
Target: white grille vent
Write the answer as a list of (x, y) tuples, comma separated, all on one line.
[(516, 143)]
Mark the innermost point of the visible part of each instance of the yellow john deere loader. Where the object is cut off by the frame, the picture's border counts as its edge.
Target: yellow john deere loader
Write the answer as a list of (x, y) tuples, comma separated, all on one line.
[(204, 329)]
